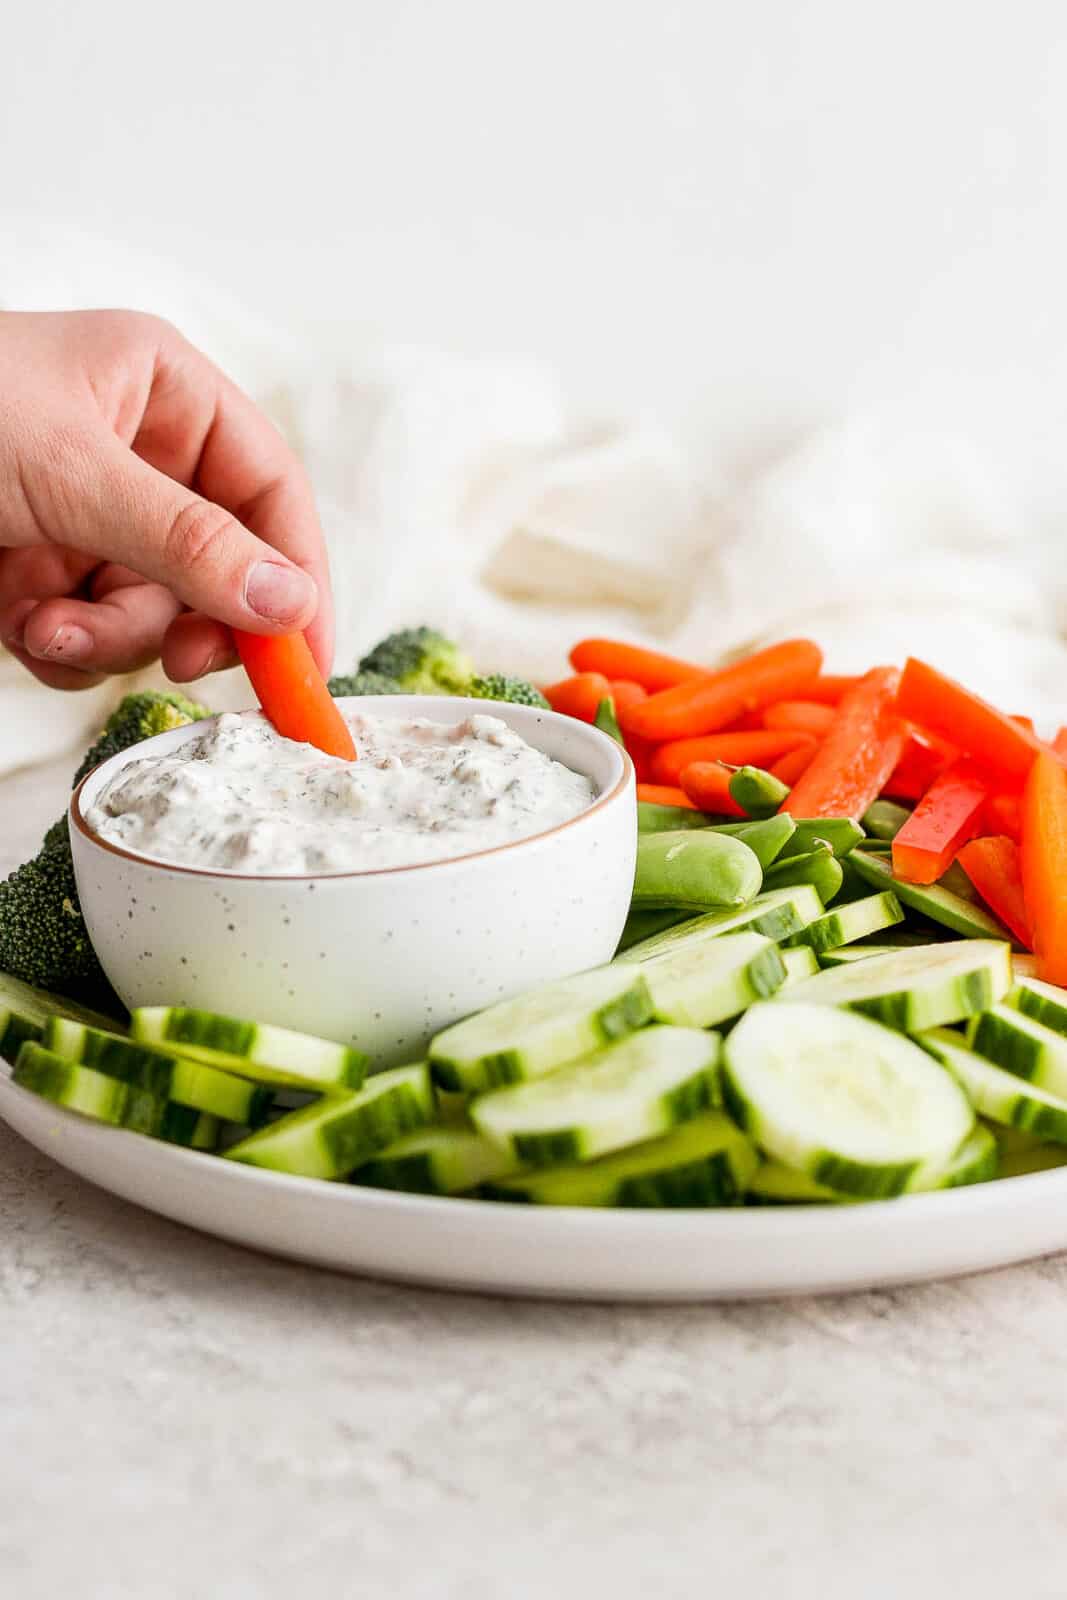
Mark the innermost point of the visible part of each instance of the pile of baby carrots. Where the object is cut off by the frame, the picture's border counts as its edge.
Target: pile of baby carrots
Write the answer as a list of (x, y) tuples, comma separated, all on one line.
[(987, 792)]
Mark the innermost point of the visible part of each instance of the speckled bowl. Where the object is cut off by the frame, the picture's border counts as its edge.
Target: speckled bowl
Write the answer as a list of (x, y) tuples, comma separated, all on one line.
[(382, 959)]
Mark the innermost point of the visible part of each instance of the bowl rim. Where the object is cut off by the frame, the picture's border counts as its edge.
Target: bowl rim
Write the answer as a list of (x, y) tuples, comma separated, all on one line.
[(596, 736)]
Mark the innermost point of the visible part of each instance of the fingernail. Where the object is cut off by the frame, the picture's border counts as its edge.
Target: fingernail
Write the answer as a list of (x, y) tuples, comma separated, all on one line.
[(278, 593), (15, 626), (68, 643)]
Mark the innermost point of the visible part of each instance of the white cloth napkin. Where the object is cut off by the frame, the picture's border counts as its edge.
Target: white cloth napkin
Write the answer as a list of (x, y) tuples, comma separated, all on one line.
[(464, 493)]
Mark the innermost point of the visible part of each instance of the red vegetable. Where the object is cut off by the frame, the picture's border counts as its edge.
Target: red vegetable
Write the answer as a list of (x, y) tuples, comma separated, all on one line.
[(719, 698), (948, 814), (922, 761), (853, 762), (736, 749), (992, 864), (293, 692), (1004, 814), (793, 766), (974, 726), (1044, 864)]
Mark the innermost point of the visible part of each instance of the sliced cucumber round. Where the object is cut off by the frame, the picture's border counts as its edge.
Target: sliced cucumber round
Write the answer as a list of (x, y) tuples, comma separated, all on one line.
[(922, 987), (256, 1050), (705, 1162), (171, 1077), (698, 985), (338, 1133), (436, 1161), (976, 1161), (1020, 1045), (106, 1099), (848, 953), (998, 1095), (539, 1031), (775, 915), (641, 925), (634, 1090), (24, 1011), (1045, 1002), (775, 1184), (799, 962), (853, 920), (850, 1103)]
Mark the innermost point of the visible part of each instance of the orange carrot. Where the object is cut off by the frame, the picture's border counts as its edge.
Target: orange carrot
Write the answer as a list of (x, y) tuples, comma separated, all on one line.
[(1059, 743), (830, 688), (992, 864), (1044, 864), (663, 794), (293, 692), (579, 696), (705, 704), (805, 716), (922, 761), (794, 765), (858, 754), (736, 749), (1004, 814), (972, 724), (1026, 723), (647, 667), (949, 813), (625, 693), (707, 784)]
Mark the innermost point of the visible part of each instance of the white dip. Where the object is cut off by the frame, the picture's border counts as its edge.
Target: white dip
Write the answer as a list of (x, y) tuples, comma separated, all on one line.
[(243, 798)]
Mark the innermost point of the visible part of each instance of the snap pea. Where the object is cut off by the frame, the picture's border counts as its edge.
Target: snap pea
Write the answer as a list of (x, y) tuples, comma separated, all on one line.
[(840, 833), (653, 818), (757, 792), (885, 819), (818, 866), (643, 924), (607, 721), (699, 870)]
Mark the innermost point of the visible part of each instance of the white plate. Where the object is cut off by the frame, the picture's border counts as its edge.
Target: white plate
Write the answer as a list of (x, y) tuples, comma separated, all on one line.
[(566, 1253)]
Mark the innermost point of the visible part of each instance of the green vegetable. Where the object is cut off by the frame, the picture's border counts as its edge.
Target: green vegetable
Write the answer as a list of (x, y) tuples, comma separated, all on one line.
[(653, 818), (699, 985), (539, 1031), (757, 792), (512, 691), (775, 1184), (840, 833), (849, 953), (338, 1133), (636, 1089), (799, 963), (779, 914), (641, 925), (885, 819), (608, 722), (933, 901), (137, 717), (25, 1011), (767, 839), (107, 1099), (705, 1162), (819, 867), (255, 1050), (998, 1095), (436, 1161), (1045, 1002), (421, 661), (927, 987), (1021, 1046), (852, 1104), (43, 938), (976, 1161), (356, 683), (854, 920), (694, 871)]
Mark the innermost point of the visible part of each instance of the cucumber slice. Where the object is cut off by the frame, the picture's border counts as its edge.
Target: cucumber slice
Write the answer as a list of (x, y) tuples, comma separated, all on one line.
[(653, 818), (925, 987), (1020, 1153), (24, 1011), (641, 925), (698, 985), (106, 1099), (776, 916), (933, 901), (539, 1031), (1022, 1046), (976, 1161), (850, 1103), (885, 819), (853, 920), (998, 1095), (255, 1050), (705, 1162), (339, 1132), (840, 833), (694, 870), (849, 953), (436, 1161), (775, 1184), (1044, 1002), (799, 962), (818, 866), (634, 1090), (170, 1077)]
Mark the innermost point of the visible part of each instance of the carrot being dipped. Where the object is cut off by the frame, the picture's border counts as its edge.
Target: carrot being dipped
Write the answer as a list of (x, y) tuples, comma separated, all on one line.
[(293, 692)]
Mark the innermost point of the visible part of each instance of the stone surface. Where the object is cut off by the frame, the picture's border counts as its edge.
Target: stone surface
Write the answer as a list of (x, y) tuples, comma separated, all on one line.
[(179, 1418)]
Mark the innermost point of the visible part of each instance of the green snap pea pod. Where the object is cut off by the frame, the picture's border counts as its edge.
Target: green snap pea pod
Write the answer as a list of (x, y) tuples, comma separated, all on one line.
[(696, 871), (840, 833), (607, 721), (819, 867), (885, 819), (653, 818), (643, 924), (757, 792)]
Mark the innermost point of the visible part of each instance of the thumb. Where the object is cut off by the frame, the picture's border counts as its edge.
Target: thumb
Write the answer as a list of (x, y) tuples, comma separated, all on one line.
[(127, 512)]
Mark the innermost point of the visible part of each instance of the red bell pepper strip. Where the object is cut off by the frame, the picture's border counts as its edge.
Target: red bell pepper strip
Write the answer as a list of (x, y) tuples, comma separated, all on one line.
[(992, 864), (974, 726), (949, 813), (793, 766), (1044, 864), (1004, 815), (858, 754), (922, 761), (1059, 743), (293, 692)]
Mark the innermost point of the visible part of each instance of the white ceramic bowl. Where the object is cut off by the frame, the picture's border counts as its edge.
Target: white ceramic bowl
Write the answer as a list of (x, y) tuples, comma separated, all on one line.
[(381, 959)]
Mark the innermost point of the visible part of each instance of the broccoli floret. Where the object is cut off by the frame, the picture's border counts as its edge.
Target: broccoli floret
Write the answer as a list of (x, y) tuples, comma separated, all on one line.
[(43, 938), (363, 683), (515, 691), (137, 717), (421, 661)]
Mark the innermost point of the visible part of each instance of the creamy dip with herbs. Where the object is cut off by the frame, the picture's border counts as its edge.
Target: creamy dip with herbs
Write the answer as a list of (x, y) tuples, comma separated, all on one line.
[(243, 798)]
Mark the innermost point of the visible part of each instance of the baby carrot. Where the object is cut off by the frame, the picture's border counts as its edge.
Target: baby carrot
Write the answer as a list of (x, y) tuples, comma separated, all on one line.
[(948, 814), (293, 692), (978, 729), (1059, 743), (661, 794), (804, 716), (647, 667), (707, 784), (706, 704), (626, 693), (579, 696), (793, 766), (856, 757), (992, 864), (736, 749), (829, 688), (1043, 858)]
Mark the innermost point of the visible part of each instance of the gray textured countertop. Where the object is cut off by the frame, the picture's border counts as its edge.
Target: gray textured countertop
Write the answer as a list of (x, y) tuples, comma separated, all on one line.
[(182, 1419)]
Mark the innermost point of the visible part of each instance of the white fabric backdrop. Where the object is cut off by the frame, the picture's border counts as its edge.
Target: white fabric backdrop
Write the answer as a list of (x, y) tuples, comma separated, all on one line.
[(465, 492)]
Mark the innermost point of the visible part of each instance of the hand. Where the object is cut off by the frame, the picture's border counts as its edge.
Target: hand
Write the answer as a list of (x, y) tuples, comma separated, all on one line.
[(145, 504)]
